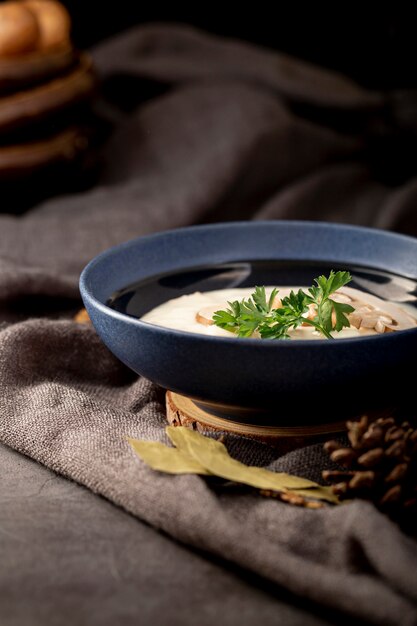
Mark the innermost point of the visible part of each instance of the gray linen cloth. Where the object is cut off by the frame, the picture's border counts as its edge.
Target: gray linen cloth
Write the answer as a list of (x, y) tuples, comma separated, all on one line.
[(236, 132)]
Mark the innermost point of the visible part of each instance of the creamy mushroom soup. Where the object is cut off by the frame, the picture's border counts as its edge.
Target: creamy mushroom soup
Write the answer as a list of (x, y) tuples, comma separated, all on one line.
[(194, 313), (197, 289)]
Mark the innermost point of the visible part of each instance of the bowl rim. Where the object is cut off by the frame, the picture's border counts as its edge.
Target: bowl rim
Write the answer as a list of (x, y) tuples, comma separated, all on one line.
[(271, 344)]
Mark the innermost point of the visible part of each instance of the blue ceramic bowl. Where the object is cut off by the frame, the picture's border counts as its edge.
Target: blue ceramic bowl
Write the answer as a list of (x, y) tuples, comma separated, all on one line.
[(263, 381)]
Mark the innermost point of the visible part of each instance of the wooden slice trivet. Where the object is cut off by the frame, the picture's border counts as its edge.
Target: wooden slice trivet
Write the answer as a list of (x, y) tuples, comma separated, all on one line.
[(182, 411)]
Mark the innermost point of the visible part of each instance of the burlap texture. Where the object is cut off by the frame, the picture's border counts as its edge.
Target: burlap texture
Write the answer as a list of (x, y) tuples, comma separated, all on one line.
[(238, 133)]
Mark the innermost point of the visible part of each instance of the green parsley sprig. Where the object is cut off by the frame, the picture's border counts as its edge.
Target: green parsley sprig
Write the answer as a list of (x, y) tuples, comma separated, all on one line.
[(258, 314)]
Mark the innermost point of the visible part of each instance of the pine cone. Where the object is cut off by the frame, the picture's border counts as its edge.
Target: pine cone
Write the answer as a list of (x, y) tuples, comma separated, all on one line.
[(381, 466)]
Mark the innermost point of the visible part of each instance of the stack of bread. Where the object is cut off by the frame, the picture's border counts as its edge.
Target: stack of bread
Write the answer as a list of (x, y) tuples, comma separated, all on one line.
[(46, 90)]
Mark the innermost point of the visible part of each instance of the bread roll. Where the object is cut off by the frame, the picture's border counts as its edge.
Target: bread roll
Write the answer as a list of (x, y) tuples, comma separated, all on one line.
[(19, 29), (53, 20)]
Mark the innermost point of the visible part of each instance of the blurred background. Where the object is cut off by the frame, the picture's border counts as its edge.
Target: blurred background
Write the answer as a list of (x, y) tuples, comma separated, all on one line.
[(345, 122), (377, 48)]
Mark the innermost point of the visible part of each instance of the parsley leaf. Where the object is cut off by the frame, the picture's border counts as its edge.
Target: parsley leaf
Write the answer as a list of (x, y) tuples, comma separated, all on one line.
[(340, 309), (256, 314)]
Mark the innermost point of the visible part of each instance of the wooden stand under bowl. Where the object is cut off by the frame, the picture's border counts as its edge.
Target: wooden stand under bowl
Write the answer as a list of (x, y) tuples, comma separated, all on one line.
[(182, 411)]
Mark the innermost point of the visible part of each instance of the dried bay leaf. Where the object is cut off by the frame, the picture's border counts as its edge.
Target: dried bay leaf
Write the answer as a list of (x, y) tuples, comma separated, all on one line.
[(213, 456), (164, 459), (196, 454)]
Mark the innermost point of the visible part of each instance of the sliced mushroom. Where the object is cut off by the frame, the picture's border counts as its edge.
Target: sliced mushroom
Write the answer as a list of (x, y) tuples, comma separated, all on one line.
[(385, 319), (380, 327), (339, 296), (205, 316), (310, 315), (376, 320), (365, 316), (369, 321), (364, 309), (276, 303), (355, 319)]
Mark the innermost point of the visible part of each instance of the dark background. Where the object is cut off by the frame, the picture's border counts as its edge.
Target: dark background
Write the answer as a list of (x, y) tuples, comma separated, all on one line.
[(377, 48)]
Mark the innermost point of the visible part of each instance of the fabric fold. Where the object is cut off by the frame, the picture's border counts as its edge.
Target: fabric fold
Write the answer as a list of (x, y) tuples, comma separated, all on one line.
[(225, 138)]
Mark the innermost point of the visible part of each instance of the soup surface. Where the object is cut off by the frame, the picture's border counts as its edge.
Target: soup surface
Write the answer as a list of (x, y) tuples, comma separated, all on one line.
[(193, 313), (186, 300)]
